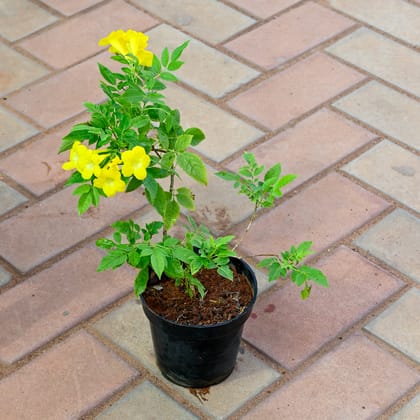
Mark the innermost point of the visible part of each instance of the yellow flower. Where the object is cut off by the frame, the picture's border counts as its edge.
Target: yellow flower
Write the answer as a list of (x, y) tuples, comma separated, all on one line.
[(76, 152), (129, 42), (135, 162), (84, 160), (109, 179)]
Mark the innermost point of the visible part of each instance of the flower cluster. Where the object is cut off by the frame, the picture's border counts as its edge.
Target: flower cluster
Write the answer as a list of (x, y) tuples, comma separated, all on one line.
[(129, 42), (97, 163)]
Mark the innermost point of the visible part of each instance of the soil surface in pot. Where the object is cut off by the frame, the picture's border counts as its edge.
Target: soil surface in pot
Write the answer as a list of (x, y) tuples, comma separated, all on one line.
[(223, 301)]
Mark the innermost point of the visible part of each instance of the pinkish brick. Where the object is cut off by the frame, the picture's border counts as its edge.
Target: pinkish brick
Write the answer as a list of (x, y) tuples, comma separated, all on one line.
[(56, 299), (47, 228), (311, 146), (295, 91), (293, 330), (264, 8), (65, 382), (323, 213), (70, 7), (289, 35), (356, 380), (44, 172), (60, 97), (86, 30)]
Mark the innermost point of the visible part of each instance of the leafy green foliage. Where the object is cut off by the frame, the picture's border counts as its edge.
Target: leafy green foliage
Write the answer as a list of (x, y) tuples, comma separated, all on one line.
[(261, 190), (136, 114), (288, 263)]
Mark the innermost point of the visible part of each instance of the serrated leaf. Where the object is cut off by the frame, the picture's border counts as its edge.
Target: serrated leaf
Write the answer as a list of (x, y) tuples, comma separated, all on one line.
[(183, 142), (156, 66), (167, 160), (317, 276), (287, 179), (185, 198), (140, 121), (140, 282), (193, 166), (197, 135), (172, 212), (225, 272), (104, 243), (168, 76), (84, 203), (165, 57), (133, 95), (176, 53), (82, 189), (107, 74), (133, 184), (75, 178), (158, 261), (227, 176), (113, 260), (273, 173), (175, 65)]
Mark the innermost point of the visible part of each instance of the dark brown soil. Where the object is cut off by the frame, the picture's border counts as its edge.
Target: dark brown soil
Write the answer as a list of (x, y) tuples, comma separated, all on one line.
[(224, 299)]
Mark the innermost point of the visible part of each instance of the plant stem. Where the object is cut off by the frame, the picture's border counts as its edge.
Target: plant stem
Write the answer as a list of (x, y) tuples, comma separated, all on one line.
[(251, 221)]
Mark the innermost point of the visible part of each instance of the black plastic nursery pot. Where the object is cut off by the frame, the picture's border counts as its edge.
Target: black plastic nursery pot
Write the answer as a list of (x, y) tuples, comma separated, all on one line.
[(198, 356)]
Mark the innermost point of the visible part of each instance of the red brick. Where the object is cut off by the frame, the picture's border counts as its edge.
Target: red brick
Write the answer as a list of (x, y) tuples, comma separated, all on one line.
[(60, 97), (65, 382), (264, 8), (86, 30), (289, 35), (70, 7), (44, 172), (311, 146), (357, 380), (324, 213), (295, 91), (45, 229), (56, 299), (294, 330)]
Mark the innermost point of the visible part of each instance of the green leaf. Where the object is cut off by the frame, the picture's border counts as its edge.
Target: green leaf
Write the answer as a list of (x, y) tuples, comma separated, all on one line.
[(165, 57), (273, 173), (197, 135), (167, 160), (176, 53), (107, 74), (185, 198), (158, 261), (305, 292), (66, 144), (156, 66), (175, 65), (84, 203), (317, 276), (140, 122), (193, 166), (227, 176), (183, 142), (172, 212), (133, 184), (82, 189), (113, 260), (140, 283), (104, 243), (226, 272), (168, 76), (287, 179), (133, 95), (75, 178)]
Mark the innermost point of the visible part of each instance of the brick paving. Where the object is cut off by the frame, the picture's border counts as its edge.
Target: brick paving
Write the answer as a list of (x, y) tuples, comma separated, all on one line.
[(331, 88)]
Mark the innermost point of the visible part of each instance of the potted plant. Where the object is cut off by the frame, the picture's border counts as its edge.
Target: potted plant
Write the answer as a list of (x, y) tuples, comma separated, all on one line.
[(196, 290)]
